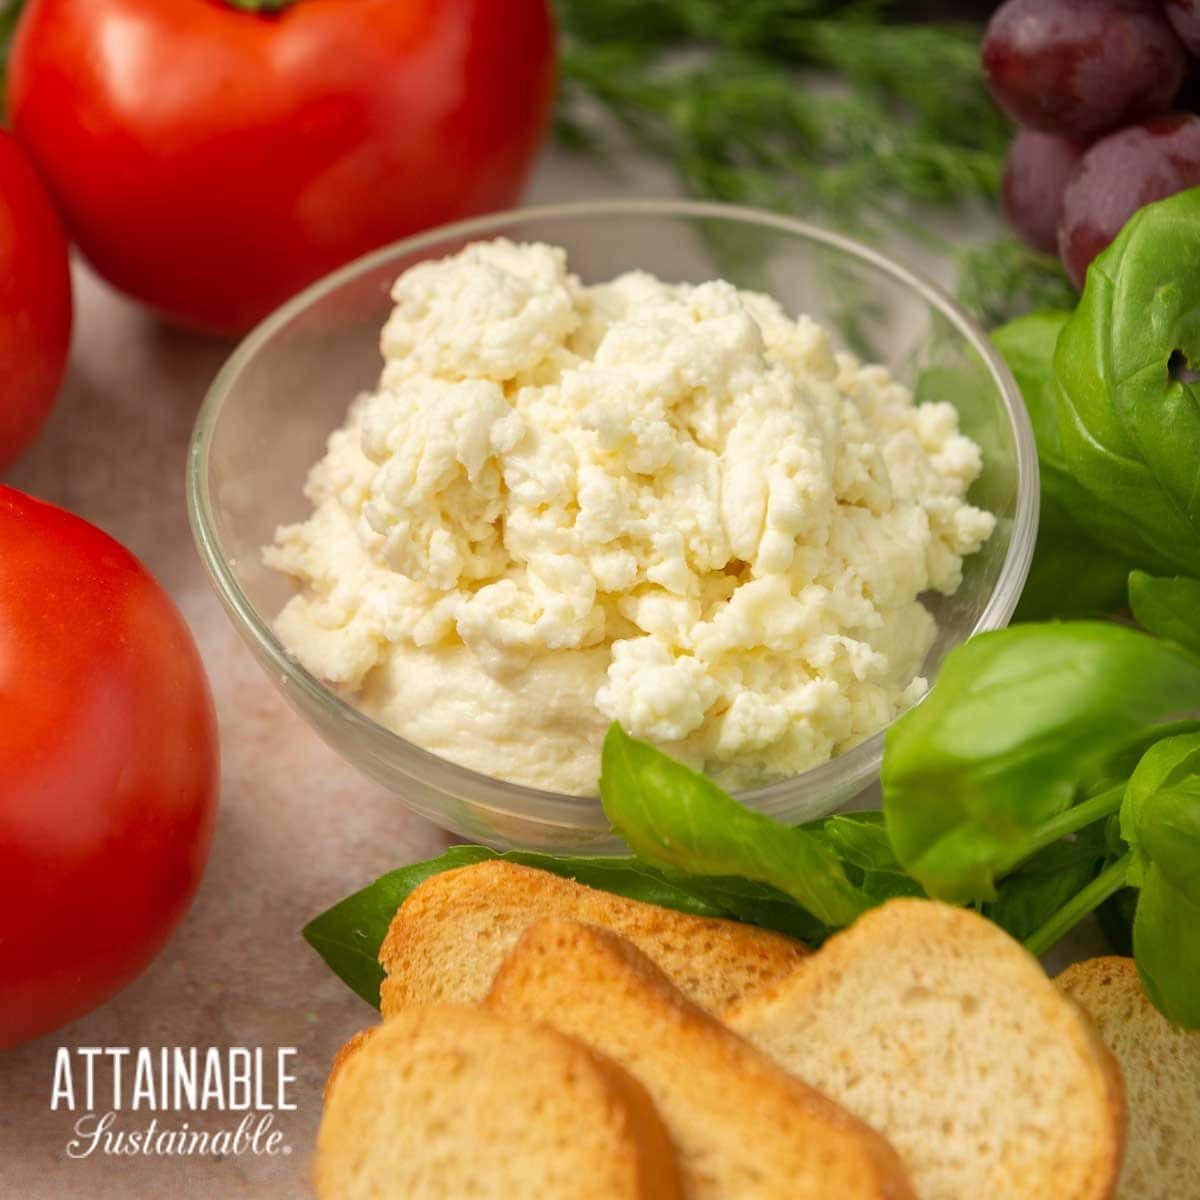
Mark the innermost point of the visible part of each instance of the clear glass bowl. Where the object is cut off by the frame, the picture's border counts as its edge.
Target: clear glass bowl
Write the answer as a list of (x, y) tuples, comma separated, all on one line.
[(287, 386)]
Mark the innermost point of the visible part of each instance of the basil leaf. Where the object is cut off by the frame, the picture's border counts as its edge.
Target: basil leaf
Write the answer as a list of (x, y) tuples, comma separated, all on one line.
[(1160, 816), (1130, 433), (1168, 608), (1169, 828), (676, 819), (754, 903), (860, 840), (1028, 897), (1017, 720), (1072, 575), (1166, 948), (1125, 759), (348, 935)]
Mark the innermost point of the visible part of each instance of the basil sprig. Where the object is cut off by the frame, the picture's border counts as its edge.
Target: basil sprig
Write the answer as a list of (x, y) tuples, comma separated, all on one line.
[(679, 820), (701, 852), (1020, 722)]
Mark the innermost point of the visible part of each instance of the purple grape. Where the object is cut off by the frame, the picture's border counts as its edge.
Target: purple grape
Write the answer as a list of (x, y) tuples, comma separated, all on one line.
[(1184, 15), (1035, 175), (1079, 68), (1120, 174)]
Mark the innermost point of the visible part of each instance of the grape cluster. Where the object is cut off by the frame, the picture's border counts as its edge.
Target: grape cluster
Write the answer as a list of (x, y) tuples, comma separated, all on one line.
[(1100, 90)]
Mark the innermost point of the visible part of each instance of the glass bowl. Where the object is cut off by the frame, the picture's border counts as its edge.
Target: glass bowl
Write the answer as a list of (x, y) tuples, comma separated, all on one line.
[(287, 386)]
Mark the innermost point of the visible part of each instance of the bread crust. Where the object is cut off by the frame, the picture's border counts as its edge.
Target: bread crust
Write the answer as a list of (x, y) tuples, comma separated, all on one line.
[(1161, 1068), (344, 1052), (900, 943), (416, 1106), (450, 935), (743, 1128)]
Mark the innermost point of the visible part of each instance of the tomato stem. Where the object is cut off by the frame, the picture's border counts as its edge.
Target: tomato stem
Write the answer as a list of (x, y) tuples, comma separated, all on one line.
[(260, 6)]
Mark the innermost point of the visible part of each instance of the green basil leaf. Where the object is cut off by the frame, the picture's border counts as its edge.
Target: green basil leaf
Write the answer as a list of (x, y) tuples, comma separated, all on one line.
[(348, 935), (754, 903), (1072, 575), (1160, 816), (1130, 433), (1028, 897), (1168, 608), (1166, 947), (678, 820), (1170, 834), (1125, 759), (860, 840), (1018, 719), (1028, 347)]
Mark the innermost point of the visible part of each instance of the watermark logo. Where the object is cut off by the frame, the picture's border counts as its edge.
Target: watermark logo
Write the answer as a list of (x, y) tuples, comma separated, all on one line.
[(132, 1101)]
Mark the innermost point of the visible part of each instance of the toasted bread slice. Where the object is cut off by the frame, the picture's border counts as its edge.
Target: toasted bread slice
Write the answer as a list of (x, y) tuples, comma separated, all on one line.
[(452, 932), (448, 1102), (742, 1128), (350, 1048), (937, 1029), (1161, 1068)]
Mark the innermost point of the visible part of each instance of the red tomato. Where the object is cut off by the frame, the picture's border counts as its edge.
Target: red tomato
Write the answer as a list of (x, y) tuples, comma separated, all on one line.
[(108, 767), (35, 302), (210, 162)]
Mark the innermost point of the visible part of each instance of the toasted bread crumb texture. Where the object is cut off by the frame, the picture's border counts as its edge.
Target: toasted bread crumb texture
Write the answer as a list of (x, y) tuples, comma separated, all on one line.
[(446, 1103), (940, 1031), (743, 1129), (450, 935), (1161, 1068)]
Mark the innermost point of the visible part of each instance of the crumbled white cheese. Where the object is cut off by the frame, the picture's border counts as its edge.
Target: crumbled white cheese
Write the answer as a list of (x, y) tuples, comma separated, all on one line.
[(666, 505)]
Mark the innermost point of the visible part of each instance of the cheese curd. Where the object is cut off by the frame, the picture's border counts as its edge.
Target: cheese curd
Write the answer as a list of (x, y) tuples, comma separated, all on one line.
[(671, 506)]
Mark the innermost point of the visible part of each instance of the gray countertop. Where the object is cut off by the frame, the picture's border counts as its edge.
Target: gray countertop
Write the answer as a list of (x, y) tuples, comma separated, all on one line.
[(297, 829)]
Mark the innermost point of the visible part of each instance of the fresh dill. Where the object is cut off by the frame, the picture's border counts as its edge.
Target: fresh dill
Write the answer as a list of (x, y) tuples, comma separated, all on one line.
[(1006, 278), (836, 112)]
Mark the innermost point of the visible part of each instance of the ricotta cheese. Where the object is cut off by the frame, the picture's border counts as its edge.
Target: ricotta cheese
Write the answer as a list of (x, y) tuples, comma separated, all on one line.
[(667, 505)]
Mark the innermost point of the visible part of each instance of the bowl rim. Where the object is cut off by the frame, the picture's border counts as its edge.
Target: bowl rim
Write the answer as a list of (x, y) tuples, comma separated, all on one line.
[(847, 772)]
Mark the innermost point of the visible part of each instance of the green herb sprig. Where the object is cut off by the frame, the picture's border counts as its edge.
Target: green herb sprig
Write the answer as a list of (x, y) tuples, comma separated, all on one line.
[(699, 851), (740, 124), (1005, 276), (836, 112)]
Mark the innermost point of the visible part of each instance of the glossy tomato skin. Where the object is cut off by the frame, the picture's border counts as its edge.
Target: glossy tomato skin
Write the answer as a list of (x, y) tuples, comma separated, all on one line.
[(210, 162), (35, 302), (108, 767)]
